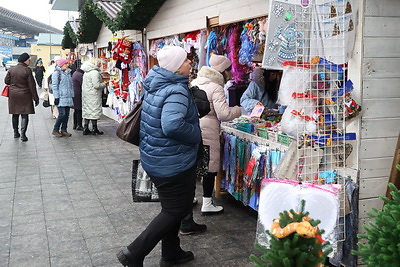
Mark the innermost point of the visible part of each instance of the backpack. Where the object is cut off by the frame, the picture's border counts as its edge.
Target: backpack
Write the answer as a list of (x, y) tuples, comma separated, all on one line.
[(201, 100), (49, 80)]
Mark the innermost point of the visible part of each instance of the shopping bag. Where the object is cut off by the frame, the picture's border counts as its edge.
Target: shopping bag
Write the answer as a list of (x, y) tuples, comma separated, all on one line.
[(143, 190), (128, 129), (5, 91), (203, 159), (46, 103)]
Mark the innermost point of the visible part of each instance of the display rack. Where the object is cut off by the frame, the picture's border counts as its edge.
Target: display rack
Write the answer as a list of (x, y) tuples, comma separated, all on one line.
[(311, 41)]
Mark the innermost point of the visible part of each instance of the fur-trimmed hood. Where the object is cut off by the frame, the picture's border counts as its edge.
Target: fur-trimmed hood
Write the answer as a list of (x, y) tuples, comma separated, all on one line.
[(207, 74)]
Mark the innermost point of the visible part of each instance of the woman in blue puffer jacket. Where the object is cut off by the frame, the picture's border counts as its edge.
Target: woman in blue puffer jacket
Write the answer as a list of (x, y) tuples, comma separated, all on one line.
[(61, 83), (169, 140)]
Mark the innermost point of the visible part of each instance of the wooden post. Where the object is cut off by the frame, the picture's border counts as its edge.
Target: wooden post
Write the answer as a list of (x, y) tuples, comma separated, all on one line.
[(395, 173)]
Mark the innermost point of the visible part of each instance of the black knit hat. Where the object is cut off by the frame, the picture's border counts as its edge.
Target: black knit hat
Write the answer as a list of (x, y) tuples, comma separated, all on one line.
[(23, 57)]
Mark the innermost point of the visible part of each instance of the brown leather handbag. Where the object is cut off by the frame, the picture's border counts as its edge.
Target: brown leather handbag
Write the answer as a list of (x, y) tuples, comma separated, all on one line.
[(129, 128)]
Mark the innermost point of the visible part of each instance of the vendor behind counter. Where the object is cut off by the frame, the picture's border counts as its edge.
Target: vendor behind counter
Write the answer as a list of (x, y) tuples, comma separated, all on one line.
[(262, 90)]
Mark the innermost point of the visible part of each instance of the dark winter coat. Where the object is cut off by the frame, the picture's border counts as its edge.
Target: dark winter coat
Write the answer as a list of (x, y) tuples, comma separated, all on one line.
[(22, 91), (169, 128), (77, 78), (39, 72)]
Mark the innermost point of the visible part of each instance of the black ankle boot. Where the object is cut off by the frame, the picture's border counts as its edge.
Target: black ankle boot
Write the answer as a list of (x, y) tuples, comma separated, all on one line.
[(125, 258), (24, 127), (86, 130), (23, 137), (15, 122), (96, 131)]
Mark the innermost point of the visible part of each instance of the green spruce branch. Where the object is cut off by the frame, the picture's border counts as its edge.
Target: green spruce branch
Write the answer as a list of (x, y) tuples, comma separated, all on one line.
[(382, 235)]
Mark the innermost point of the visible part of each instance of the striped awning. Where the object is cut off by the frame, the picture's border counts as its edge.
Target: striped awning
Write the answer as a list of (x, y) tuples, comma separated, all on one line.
[(74, 25), (111, 8)]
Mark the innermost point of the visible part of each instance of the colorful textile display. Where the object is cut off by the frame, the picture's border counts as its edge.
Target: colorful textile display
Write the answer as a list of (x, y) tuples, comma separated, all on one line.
[(246, 164), (122, 53)]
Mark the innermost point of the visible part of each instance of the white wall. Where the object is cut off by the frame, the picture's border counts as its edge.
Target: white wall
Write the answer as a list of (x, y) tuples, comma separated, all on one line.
[(380, 123), (181, 16), (105, 36)]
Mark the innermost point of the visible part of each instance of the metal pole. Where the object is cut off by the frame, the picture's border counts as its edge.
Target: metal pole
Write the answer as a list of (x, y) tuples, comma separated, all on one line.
[(50, 33)]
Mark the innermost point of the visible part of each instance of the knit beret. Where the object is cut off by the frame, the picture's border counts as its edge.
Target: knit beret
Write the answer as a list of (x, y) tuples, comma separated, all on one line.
[(219, 63), (171, 57), (23, 57), (61, 62)]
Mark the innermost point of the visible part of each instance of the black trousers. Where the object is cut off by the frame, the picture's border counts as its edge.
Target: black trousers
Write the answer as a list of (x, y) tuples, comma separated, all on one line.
[(176, 195), (208, 184), (77, 117)]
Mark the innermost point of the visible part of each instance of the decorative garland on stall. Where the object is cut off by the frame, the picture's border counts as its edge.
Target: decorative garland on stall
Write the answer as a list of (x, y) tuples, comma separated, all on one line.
[(134, 15), (70, 39), (90, 25)]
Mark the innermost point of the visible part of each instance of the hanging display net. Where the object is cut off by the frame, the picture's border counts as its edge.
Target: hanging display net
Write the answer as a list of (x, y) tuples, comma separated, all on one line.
[(311, 42)]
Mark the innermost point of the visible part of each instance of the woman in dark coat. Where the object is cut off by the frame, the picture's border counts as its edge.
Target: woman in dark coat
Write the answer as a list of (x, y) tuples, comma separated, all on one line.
[(77, 78), (21, 93), (39, 72)]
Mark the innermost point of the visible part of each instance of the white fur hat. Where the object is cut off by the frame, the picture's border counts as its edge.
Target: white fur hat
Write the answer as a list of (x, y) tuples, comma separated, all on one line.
[(171, 57), (219, 63)]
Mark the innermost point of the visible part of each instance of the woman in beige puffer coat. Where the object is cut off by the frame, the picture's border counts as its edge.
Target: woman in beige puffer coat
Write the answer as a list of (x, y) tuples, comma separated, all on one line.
[(212, 80), (92, 90)]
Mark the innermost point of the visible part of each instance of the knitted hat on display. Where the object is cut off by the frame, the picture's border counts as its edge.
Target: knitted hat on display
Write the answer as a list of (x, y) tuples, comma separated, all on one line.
[(23, 57), (219, 63), (171, 57), (61, 62)]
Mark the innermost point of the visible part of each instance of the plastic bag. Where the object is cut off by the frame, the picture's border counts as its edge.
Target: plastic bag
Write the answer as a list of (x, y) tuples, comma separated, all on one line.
[(143, 190), (300, 117), (295, 78)]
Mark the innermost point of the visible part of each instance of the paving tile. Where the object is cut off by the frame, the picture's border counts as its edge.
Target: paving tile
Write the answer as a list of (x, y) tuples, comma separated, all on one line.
[(93, 226), (68, 202), (28, 219), (28, 229), (22, 260), (64, 229), (65, 248), (25, 247), (72, 260), (25, 206), (60, 215)]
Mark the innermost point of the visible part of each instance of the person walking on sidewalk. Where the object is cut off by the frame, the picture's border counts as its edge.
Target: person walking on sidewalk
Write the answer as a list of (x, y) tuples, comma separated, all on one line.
[(47, 87), (92, 89), (61, 83), (39, 72), (211, 80), (22, 94), (169, 140), (77, 78)]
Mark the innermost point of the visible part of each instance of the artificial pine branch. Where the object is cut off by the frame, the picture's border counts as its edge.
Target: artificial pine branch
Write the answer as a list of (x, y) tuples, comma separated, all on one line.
[(382, 235), (293, 250)]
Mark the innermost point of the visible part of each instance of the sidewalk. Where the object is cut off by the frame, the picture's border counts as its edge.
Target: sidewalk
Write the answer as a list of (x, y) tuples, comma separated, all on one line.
[(67, 202)]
